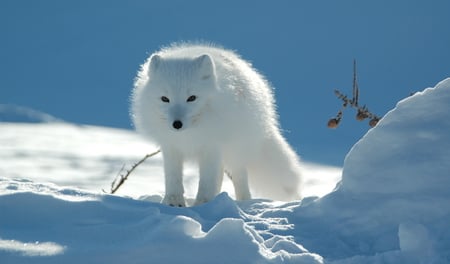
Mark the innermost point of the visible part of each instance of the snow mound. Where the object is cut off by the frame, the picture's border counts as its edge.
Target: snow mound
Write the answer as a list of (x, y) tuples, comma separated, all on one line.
[(46, 227), (408, 152), (20, 114), (392, 205)]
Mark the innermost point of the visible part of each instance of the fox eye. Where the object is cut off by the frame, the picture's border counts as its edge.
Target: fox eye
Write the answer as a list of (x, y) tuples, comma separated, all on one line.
[(191, 98), (165, 99)]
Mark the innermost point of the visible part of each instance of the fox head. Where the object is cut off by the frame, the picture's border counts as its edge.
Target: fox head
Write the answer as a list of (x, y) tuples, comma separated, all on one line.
[(180, 89)]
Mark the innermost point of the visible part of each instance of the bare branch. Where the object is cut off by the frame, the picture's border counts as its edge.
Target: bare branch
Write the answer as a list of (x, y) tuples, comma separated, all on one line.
[(121, 178)]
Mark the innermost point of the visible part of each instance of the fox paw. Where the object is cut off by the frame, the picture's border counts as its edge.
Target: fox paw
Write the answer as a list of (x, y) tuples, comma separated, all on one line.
[(174, 200)]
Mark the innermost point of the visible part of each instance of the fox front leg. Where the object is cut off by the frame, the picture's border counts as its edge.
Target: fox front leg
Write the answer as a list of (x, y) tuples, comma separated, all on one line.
[(211, 176), (239, 177), (173, 172)]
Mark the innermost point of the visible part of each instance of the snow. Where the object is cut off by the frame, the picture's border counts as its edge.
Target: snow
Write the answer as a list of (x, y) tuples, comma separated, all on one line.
[(90, 157), (392, 205), (14, 113)]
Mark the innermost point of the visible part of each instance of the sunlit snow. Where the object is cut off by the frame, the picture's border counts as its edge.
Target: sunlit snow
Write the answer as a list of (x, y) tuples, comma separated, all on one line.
[(392, 205)]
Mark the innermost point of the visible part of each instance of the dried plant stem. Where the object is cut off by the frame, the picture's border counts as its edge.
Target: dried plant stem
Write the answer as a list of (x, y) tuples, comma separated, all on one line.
[(121, 178), (363, 112)]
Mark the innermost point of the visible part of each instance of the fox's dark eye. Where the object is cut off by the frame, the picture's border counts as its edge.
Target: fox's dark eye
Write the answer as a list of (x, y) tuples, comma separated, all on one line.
[(191, 98), (165, 99)]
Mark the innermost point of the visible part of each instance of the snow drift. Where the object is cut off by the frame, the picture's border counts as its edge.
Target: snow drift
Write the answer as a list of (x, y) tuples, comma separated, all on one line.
[(15, 113), (392, 206)]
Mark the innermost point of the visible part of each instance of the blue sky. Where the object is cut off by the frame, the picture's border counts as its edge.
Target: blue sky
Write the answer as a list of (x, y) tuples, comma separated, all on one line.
[(77, 59)]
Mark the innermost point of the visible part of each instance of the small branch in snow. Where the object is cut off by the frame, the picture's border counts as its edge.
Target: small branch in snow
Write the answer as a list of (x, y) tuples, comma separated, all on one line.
[(121, 178), (363, 112)]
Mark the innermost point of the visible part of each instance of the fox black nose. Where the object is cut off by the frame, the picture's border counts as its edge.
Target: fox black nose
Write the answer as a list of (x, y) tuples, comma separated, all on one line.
[(177, 124)]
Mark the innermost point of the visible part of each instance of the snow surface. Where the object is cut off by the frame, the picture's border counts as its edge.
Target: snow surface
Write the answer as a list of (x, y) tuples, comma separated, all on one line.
[(392, 205), (14, 113)]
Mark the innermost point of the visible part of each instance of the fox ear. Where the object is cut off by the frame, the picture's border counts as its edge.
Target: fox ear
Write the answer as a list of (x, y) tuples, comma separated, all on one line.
[(206, 66), (155, 61)]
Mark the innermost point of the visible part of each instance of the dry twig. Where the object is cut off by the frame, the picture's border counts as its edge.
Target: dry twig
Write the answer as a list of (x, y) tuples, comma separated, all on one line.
[(121, 178)]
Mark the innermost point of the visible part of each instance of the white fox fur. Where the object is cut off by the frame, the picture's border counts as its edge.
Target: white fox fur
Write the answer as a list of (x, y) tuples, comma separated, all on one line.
[(206, 104)]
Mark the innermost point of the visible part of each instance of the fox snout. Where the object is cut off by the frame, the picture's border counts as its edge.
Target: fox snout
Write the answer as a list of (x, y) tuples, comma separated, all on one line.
[(177, 124), (176, 114)]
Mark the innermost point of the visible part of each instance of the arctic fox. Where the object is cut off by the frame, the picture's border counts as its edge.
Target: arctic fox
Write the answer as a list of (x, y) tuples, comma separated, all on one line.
[(206, 104)]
